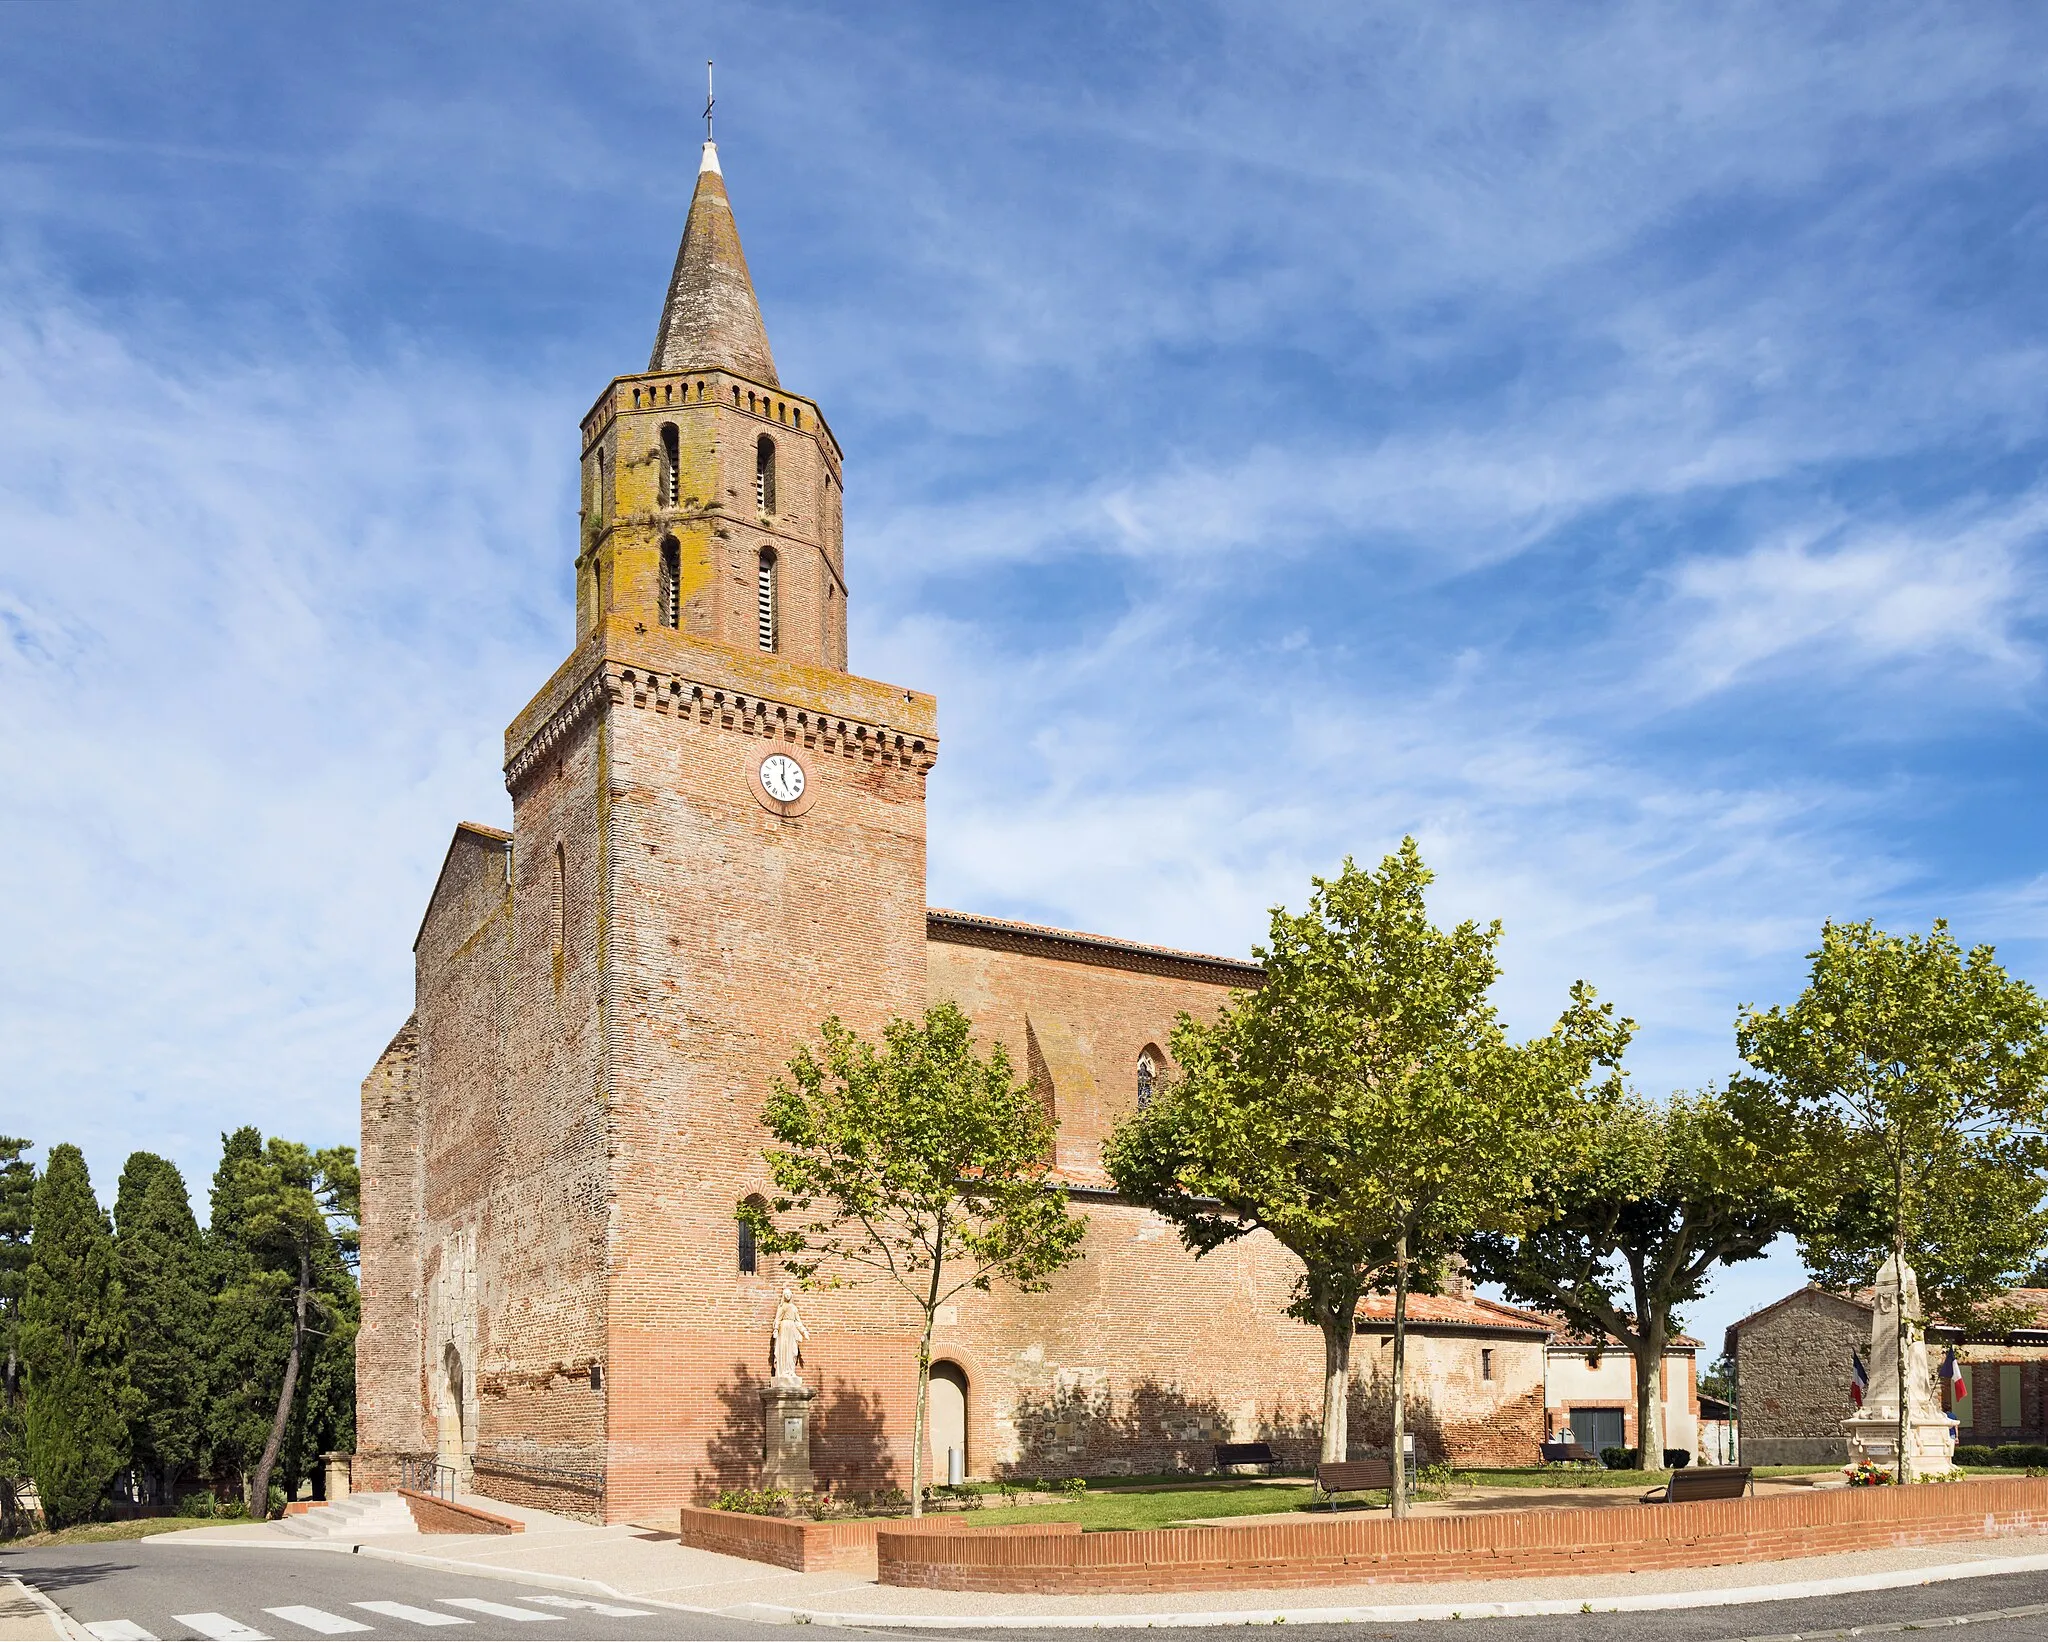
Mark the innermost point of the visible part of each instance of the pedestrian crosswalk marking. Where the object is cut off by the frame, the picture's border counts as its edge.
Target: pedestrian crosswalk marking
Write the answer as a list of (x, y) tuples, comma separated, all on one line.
[(118, 1630), (410, 1614), (611, 1610), (317, 1619), (221, 1628), (497, 1610)]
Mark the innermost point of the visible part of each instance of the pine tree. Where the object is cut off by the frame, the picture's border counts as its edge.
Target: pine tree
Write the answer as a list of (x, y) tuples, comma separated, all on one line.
[(71, 1316), (17, 1220), (248, 1321), (284, 1310), (156, 1243)]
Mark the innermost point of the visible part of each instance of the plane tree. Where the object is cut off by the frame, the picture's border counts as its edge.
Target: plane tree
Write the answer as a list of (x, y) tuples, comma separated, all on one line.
[(1365, 1107)]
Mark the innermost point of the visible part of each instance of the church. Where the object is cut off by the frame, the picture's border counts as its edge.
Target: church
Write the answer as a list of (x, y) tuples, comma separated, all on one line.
[(717, 841)]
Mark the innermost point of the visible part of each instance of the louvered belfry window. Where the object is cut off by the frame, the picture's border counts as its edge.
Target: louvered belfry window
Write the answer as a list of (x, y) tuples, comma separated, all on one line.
[(765, 612), (764, 474), (671, 464), (671, 583)]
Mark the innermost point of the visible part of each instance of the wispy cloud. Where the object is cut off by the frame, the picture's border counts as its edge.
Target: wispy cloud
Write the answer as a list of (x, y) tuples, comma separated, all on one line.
[(1575, 435)]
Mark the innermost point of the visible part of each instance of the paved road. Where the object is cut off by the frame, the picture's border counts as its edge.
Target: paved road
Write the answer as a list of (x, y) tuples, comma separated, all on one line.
[(131, 1592), (128, 1591), (1974, 1602)]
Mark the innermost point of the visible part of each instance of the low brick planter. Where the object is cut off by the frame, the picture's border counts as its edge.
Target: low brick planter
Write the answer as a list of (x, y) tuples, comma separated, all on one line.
[(434, 1515), (1492, 1545), (787, 1542), (814, 1547)]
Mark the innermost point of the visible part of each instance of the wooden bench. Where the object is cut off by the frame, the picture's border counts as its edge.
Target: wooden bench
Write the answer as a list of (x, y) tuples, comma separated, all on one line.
[(1569, 1453), (1243, 1453), (1352, 1476), (1701, 1482)]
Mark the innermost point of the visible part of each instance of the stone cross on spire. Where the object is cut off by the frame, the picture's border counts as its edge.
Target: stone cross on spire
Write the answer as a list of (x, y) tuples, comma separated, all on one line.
[(711, 318)]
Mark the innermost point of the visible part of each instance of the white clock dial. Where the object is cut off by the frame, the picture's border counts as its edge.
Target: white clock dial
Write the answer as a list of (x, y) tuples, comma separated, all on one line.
[(782, 778)]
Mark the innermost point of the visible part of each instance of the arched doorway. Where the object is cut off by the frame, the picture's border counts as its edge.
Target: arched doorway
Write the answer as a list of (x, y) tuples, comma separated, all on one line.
[(946, 1421)]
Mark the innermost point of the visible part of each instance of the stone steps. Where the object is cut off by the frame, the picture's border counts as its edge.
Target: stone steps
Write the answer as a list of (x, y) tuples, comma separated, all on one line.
[(360, 1516)]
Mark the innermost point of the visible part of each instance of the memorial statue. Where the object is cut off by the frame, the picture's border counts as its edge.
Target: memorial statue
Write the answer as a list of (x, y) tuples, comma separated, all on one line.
[(785, 1404), (785, 1353), (1873, 1430)]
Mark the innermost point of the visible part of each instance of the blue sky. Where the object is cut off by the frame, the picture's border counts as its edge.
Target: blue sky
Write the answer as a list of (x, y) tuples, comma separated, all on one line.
[(1605, 441)]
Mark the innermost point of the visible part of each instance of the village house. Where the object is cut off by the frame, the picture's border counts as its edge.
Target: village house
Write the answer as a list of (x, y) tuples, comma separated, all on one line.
[(1793, 1364)]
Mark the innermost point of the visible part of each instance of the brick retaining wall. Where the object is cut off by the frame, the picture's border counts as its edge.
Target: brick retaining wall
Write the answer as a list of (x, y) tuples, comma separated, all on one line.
[(1518, 1544), (813, 1547), (433, 1515)]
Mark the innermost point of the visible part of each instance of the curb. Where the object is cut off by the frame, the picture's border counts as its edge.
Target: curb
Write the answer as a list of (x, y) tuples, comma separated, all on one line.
[(66, 1626), (1727, 1596)]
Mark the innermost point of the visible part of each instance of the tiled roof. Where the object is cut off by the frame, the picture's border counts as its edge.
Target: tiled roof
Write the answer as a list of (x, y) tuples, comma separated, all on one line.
[(1077, 946), (1582, 1339), (1453, 1311)]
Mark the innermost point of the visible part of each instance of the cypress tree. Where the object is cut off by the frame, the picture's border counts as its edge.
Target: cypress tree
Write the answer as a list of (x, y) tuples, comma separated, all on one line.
[(17, 1220), (156, 1243), (71, 1343)]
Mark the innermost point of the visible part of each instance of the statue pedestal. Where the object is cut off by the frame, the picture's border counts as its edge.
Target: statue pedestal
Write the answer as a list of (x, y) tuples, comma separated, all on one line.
[(1873, 1436), (786, 1426)]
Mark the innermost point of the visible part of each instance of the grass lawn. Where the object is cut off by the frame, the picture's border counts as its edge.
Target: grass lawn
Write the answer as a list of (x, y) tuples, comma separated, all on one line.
[(1153, 1506), (95, 1533)]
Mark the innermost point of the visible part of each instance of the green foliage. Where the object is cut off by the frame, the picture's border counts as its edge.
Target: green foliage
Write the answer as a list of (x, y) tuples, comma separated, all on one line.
[(1902, 1100), (1969, 1453), (285, 1308), (250, 1320), (1633, 1217), (2018, 1456), (1618, 1459), (163, 1284), (17, 1220), (1363, 1106), (71, 1345), (919, 1163)]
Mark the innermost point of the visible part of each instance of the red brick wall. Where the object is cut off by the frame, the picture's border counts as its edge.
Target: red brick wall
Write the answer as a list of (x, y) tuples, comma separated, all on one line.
[(734, 932), (1521, 1544), (388, 1345)]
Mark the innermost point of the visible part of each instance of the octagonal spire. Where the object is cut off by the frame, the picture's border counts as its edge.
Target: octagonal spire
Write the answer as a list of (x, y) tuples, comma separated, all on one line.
[(711, 318)]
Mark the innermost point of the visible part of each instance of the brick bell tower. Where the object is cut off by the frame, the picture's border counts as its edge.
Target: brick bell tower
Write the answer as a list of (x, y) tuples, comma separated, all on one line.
[(718, 841)]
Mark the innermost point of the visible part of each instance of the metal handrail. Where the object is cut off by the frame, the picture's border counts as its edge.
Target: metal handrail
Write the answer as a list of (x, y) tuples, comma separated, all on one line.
[(426, 1475)]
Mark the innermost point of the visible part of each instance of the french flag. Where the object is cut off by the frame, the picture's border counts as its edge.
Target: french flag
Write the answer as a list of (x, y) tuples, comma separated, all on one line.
[(1952, 1377), (1859, 1379)]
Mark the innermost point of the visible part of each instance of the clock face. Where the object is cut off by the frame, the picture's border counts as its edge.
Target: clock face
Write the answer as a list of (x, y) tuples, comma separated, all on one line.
[(782, 778)]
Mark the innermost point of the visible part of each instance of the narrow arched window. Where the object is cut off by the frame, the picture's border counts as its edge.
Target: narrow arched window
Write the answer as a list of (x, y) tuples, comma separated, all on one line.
[(750, 1253), (764, 474), (671, 590), (561, 903), (765, 612), (671, 462), (597, 496), (1145, 1076)]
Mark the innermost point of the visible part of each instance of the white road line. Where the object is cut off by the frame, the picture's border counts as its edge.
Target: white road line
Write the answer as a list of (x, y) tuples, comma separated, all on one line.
[(220, 1627), (497, 1610), (411, 1615), (118, 1630), (611, 1610), (317, 1619)]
